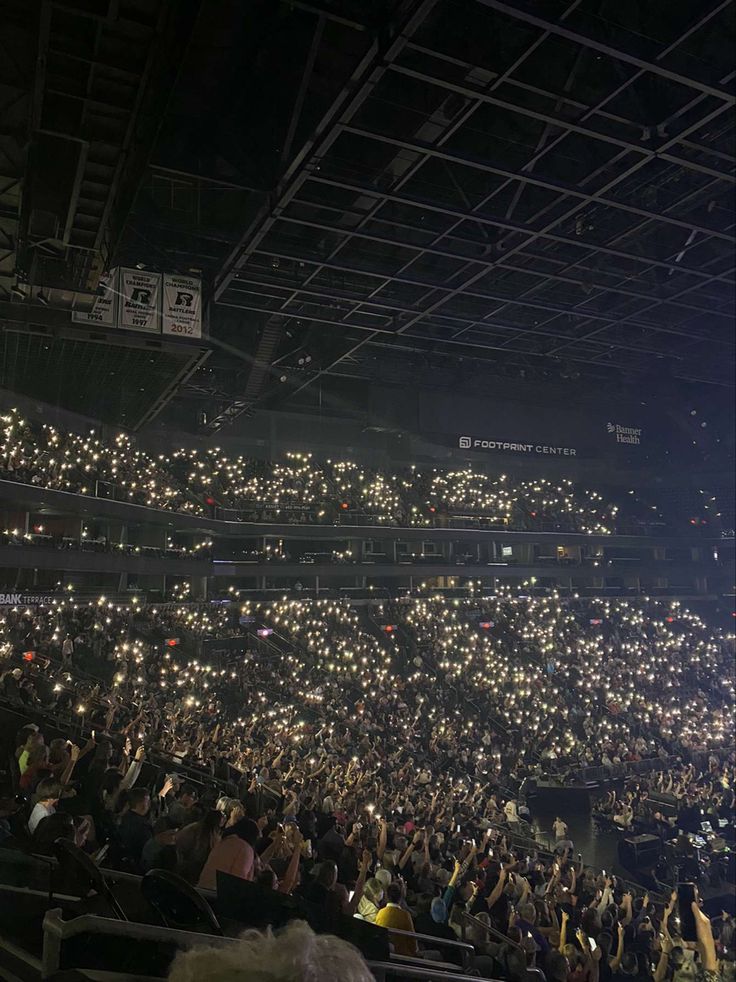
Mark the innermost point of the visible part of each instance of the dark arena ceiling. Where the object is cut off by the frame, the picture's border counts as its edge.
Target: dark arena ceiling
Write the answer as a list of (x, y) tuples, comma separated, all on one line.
[(428, 190)]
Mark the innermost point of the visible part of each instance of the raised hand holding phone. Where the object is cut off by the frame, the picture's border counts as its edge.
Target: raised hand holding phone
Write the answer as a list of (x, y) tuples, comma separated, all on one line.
[(686, 897)]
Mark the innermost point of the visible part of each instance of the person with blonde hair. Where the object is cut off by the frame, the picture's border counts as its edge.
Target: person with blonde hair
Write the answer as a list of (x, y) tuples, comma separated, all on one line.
[(295, 954), (370, 901)]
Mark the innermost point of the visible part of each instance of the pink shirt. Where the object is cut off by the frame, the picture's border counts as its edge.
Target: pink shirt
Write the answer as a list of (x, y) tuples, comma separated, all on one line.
[(231, 855)]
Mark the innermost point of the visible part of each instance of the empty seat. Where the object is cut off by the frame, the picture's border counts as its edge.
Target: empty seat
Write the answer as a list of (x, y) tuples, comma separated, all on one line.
[(82, 876), (177, 902)]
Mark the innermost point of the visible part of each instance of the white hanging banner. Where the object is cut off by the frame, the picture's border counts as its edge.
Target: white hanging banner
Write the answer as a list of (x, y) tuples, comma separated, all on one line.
[(139, 308), (103, 308), (182, 306)]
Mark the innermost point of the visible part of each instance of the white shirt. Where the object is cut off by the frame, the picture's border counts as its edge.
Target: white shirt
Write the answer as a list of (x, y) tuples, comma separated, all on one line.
[(39, 812)]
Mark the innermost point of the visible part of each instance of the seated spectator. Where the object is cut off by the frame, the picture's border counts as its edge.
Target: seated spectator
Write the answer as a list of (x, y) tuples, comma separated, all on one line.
[(8, 808), (47, 799), (59, 826), (434, 922), (370, 902), (39, 765), (234, 853), (183, 810), (232, 809), (393, 915), (31, 738), (114, 784), (527, 925), (160, 850), (331, 897), (320, 890), (195, 842)]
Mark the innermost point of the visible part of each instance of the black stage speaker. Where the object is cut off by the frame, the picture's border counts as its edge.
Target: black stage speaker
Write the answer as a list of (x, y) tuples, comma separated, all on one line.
[(639, 851)]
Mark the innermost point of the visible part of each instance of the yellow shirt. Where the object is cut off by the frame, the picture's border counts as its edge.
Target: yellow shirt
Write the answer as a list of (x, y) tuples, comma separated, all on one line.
[(394, 916)]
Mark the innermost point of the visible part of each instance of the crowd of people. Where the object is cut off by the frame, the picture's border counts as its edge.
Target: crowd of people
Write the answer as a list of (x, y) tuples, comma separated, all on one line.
[(521, 680), (367, 759), (697, 796), (102, 545), (299, 489)]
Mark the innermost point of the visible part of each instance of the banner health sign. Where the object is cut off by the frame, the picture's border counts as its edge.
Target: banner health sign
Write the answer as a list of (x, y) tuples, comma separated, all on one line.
[(152, 303)]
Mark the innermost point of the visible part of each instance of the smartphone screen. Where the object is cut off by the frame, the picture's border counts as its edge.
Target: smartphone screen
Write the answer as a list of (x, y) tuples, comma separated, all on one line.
[(593, 945), (685, 900)]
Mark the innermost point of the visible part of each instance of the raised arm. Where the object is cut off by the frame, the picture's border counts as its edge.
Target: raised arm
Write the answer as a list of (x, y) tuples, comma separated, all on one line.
[(382, 837), (68, 770), (410, 849), (320, 769), (359, 884), (497, 890), (525, 890), (288, 881), (616, 960), (605, 897), (134, 769), (563, 931), (660, 972), (706, 944), (277, 837), (628, 910)]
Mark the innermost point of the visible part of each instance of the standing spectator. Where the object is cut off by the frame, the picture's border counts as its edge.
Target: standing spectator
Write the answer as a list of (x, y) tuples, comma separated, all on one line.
[(511, 812), (135, 828), (67, 651)]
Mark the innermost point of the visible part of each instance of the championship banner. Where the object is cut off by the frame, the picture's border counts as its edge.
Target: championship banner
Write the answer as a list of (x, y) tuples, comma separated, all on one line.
[(182, 306), (103, 308), (139, 301)]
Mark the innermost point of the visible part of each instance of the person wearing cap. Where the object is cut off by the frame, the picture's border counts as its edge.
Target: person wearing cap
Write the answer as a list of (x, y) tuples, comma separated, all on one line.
[(434, 923)]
